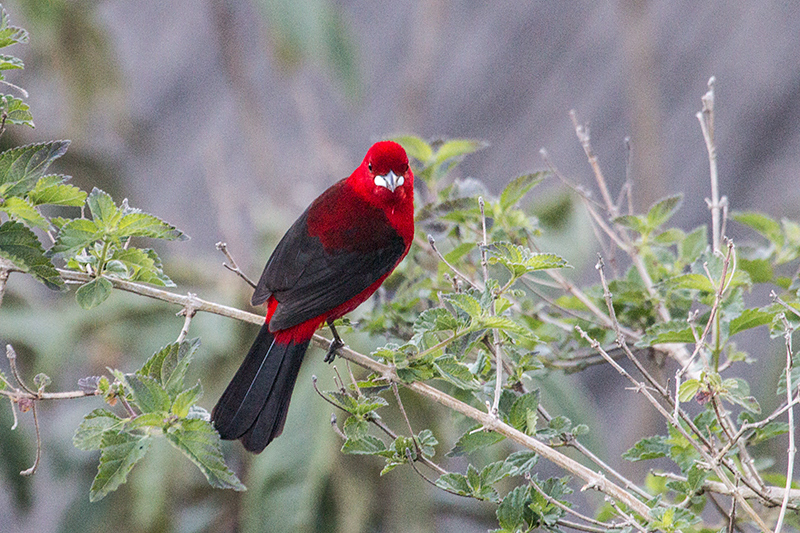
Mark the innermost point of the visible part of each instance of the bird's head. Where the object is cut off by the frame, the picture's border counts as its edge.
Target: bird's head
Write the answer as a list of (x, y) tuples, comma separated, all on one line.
[(384, 176)]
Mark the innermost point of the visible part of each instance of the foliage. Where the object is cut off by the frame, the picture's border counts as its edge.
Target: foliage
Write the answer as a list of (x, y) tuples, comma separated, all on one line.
[(479, 318)]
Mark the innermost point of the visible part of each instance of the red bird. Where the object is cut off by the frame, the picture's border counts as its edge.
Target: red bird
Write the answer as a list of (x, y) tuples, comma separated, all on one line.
[(332, 259)]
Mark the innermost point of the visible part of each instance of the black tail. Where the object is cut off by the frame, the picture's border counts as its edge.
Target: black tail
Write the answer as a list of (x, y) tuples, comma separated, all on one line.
[(253, 408)]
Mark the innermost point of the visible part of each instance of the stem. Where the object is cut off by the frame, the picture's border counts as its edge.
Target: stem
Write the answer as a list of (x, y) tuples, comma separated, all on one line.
[(792, 449)]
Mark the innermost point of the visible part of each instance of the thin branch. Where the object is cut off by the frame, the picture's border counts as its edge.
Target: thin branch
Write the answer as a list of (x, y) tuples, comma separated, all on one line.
[(233, 267), (563, 507), (188, 311), (585, 139), (706, 118), (498, 348), (32, 470), (792, 449), (432, 242)]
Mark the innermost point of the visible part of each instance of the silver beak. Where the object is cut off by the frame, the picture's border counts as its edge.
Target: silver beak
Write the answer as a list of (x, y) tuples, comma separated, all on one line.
[(391, 181)]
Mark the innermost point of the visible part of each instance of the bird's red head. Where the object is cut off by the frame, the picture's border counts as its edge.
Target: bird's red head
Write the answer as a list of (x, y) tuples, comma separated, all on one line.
[(384, 177)]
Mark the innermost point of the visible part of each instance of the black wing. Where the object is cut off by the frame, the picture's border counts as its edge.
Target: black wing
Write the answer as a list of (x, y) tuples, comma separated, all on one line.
[(308, 281)]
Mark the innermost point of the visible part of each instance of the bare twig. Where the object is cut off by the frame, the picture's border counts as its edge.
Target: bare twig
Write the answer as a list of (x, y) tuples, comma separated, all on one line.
[(792, 449), (188, 311), (233, 267), (715, 204), (498, 348), (32, 470), (432, 242)]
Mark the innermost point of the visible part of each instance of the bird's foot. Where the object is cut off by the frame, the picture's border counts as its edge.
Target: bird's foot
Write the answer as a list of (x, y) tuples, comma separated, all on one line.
[(336, 343)]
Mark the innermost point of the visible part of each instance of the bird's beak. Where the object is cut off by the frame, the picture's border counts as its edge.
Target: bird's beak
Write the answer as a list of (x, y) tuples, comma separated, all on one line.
[(391, 181)]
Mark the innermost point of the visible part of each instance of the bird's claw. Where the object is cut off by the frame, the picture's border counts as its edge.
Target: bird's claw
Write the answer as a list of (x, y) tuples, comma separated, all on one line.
[(333, 349)]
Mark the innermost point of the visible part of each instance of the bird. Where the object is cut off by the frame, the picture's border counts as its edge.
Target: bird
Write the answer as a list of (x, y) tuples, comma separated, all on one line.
[(331, 260)]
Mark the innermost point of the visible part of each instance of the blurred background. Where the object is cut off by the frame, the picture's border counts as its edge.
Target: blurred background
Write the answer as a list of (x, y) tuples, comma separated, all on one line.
[(227, 117)]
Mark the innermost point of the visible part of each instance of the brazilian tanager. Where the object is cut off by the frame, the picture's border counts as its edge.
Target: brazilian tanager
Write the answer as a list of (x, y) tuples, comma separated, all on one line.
[(333, 258)]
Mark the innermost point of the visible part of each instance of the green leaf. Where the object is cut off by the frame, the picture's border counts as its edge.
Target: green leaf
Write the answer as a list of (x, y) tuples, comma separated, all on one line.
[(467, 303), (519, 187), (648, 448), (523, 413), (688, 389), (10, 63), (750, 318), (521, 462), (760, 270), (456, 373), (473, 440), (667, 332), (168, 365), (21, 167), (148, 394), (93, 293), (141, 264), (636, 223), (104, 212), (57, 194), (457, 148), (355, 427), (185, 400), (519, 260), (146, 225), (693, 245), (17, 112), (663, 210), (415, 147), (89, 434), (199, 441), (366, 445), (10, 34), (75, 235), (22, 210), (19, 245), (454, 482), (698, 282), (737, 390), (120, 452), (512, 510), (436, 319), (763, 224)]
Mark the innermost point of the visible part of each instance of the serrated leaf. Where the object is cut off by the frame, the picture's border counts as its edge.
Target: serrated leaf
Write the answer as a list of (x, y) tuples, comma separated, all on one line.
[(57, 194), (415, 147), (760, 270), (521, 462), (636, 223), (88, 435), (355, 427), (494, 472), (455, 372), (93, 293), (667, 332), (146, 225), (19, 245), (185, 400), (120, 452), (17, 112), (22, 210), (142, 265), (199, 441), (467, 303), (693, 245), (698, 282), (104, 212), (75, 235), (366, 445), (473, 440), (663, 210), (763, 224), (523, 413), (457, 148), (750, 318), (454, 482), (435, 319), (688, 389), (511, 511), (21, 167), (10, 34), (168, 365), (519, 187), (148, 394), (648, 448), (519, 260)]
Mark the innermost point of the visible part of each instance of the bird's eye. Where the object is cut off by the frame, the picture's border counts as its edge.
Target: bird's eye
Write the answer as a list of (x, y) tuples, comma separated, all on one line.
[(369, 165)]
